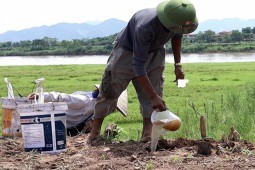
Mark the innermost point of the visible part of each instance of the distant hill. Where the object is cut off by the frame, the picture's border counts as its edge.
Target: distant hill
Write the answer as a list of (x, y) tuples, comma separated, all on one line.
[(69, 31), (66, 31), (227, 24)]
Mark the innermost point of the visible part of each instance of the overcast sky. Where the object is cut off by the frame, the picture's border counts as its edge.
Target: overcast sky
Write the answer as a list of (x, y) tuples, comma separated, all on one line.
[(22, 14)]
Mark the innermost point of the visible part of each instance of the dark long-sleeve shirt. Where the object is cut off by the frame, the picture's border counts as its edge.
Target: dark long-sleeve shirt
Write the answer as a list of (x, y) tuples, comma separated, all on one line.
[(144, 34)]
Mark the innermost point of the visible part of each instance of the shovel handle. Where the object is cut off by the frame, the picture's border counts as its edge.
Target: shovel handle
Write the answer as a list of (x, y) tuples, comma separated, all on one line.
[(202, 127)]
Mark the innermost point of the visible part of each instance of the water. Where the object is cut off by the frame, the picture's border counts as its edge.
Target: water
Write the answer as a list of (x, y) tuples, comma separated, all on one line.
[(156, 132), (102, 59)]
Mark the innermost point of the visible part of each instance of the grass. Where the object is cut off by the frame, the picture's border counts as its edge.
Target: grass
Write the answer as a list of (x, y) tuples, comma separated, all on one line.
[(223, 92)]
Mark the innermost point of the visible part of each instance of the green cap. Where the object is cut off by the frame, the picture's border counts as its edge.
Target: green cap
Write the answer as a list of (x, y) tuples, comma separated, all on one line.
[(174, 13)]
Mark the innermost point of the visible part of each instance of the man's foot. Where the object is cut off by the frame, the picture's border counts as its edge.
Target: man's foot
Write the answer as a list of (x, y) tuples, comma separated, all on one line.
[(88, 126), (95, 131), (145, 139), (92, 137)]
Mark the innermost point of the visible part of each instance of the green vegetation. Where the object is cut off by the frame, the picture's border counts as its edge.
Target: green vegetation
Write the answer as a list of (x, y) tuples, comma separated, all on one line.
[(223, 92), (203, 42)]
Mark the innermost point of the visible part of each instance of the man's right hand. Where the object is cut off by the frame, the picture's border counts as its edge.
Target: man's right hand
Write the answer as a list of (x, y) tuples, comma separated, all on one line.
[(157, 103)]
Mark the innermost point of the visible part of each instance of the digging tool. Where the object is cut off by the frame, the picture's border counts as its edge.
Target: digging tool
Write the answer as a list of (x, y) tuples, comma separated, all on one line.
[(202, 122)]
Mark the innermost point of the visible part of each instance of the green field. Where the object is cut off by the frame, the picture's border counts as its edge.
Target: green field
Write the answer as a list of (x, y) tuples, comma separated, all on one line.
[(223, 92)]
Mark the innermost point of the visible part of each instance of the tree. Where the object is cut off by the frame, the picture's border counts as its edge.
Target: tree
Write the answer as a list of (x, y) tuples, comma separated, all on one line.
[(246, 30), (39, 44), (25, 44), (199, 37), (7, 44), (253, 30), (236, 36), (209, 36), (51, 42)]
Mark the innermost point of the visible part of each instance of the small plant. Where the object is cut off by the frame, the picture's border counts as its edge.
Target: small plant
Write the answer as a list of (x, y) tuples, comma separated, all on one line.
[(104, 156), (176, 159), (32, 155), (248, 152), (190, 156), (122, 134), (149, 166)]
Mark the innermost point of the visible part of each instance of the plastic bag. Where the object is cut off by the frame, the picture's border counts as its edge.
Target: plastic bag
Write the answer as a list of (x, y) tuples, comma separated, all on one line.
[(9, 88)]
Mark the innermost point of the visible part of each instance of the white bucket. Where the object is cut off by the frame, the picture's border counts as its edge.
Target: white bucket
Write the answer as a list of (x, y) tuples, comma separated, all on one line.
[(159, 121), (44, 126), (10, 118)]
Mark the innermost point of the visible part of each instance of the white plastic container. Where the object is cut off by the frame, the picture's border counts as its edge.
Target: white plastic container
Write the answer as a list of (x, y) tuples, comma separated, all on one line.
[(162, 121), (164, 118), (182, 82), (44, 126)]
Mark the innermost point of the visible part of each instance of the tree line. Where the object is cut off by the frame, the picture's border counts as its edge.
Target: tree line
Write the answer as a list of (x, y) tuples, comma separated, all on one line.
[(207, 41)]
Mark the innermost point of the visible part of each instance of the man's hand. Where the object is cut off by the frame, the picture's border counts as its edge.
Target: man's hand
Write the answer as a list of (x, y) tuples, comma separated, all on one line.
[(179, 74), (158, 104)]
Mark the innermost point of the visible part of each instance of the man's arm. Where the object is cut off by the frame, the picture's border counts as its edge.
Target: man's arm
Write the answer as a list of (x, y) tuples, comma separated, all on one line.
[(141, 50), (156, 101), (176, 43)]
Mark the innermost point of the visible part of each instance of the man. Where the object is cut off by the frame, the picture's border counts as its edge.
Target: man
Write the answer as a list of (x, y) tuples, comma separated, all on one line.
[(139, 56)]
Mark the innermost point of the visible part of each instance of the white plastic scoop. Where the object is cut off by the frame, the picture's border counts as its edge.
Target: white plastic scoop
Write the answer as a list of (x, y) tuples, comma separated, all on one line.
[(161, 121)]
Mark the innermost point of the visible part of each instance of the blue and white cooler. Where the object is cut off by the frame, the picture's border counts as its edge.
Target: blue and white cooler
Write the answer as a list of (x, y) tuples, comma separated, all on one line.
[(43, 126)]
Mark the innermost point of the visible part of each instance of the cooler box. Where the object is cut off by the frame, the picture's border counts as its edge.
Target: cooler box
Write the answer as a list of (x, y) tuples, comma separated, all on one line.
[(43, 126)]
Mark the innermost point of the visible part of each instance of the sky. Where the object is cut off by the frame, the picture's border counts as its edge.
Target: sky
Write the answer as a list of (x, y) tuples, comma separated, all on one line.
[(22, 14)]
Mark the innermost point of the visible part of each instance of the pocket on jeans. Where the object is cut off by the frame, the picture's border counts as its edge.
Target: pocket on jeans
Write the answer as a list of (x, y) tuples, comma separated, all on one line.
[(106, 80)]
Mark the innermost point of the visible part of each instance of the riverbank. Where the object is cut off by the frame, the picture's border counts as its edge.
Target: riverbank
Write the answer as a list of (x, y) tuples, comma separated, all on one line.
[(220, 91), (102, 59), (103, 46)]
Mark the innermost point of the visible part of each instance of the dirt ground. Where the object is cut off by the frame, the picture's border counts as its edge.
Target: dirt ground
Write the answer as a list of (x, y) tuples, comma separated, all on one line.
[(171, 154)]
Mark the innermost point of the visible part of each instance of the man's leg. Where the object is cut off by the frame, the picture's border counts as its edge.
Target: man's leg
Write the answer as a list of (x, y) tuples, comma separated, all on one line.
[(96, 128), (115, 80), (147, 127), (145, 106), (155, 70), (106, 103), (104, 106), (145, 109)]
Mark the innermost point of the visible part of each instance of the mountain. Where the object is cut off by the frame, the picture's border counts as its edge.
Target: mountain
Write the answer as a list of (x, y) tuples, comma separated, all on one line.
[(66, 31), (227, 24), (69, 31)]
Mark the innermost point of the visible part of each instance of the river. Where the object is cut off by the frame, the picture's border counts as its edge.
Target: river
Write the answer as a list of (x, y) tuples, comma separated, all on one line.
[(102, 59)]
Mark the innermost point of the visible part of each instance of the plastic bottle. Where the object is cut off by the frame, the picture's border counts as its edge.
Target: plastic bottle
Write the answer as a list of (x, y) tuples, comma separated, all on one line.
[(9, 88), (39, 90)]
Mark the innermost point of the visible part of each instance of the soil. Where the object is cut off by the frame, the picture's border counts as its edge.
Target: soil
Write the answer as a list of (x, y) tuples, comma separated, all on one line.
[(103, 154)]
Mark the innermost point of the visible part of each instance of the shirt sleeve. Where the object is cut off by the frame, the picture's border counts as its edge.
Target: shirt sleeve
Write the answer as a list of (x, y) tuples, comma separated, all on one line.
[(141, 47)]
